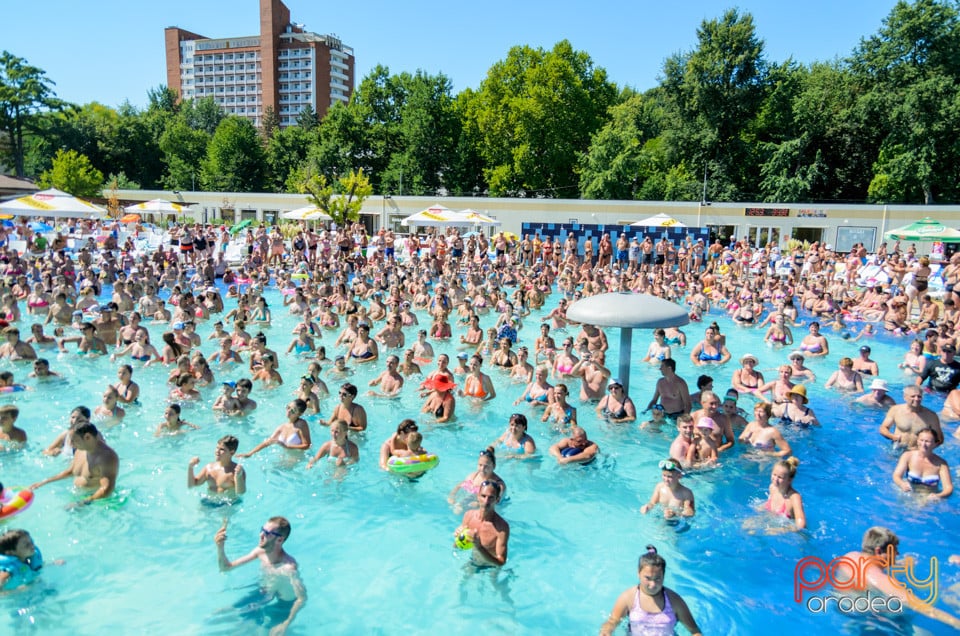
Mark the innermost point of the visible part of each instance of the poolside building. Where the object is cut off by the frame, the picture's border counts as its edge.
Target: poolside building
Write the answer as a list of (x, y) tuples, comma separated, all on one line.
[(284, 67)]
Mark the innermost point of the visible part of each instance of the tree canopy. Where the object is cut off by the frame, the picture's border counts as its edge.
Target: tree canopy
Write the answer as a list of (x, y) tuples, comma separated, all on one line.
[(878, 125)]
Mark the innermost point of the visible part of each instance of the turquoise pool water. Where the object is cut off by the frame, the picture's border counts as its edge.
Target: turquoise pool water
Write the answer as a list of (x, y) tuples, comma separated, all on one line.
[(376, 550)]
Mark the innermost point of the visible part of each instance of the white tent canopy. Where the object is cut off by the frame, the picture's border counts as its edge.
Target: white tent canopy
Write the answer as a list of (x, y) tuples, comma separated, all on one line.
[(476, 218), (307, 213), (155, 206), (52, 203), (435, 216), (659, 220)]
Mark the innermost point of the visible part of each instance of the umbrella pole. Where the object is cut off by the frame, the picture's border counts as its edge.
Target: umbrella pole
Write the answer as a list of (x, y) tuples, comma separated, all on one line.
[(626, 343)]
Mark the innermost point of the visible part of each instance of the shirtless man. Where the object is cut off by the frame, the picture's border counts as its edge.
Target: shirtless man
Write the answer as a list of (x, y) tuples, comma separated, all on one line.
[(107, 323), (94, 467), (408, 366), (596, 339), (671, 391), (877, 396), (390, 381), (576, 449), (223, 476), (723, 433), (485, 529), (391, 336), (15, 348), (904, 421), (681, 444), (864, 365), (280, 577), (593, 376), (675, 498), (10, 433), (353, 414)]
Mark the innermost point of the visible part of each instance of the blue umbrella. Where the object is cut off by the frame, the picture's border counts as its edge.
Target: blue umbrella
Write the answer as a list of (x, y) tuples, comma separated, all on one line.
[(7, 223), (37, 226)]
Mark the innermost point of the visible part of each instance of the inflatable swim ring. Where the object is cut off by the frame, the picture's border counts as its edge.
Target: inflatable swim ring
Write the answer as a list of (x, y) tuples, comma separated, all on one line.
[(723, 270), (16, 388), (571, 451), (12, 503), (413, 464), (289, 291), (300, 275), (707, 290), (243, 281), (421, 360), (462, 540)]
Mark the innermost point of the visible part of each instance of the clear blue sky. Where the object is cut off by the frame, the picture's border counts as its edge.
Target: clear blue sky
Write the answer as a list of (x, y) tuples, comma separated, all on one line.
[(111, 51)]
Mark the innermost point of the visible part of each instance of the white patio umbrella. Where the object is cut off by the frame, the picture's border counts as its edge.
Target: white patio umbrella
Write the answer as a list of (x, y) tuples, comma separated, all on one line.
[(155, 206), (52, 203), (476, 218), (659, 220), (434, 216), (307, 213)]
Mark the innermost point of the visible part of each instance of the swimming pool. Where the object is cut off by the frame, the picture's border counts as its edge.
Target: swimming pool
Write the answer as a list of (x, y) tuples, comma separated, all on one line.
[(375, 550)]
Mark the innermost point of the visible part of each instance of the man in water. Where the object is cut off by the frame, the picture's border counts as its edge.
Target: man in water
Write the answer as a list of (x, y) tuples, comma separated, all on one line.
[(223, 476), (280, 580), (671, 391), (95, 465), (878, 545), (486, 529), (904, 421)]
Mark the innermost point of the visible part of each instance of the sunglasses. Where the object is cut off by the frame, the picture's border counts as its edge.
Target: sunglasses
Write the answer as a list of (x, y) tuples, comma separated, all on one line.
[(493, 484), (270, 533)]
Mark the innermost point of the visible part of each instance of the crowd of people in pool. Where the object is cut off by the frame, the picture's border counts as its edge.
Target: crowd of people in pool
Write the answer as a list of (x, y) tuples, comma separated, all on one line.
[(370, 300)]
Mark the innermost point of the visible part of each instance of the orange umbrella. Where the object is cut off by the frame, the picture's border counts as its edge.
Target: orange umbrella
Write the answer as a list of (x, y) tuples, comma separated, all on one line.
[(130, 218)]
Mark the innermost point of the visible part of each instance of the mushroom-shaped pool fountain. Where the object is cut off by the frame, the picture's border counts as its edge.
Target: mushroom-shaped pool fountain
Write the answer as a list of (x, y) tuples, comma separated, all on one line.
[(627, 311)]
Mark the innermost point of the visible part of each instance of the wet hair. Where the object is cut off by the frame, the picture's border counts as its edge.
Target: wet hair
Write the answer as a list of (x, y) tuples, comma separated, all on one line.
[(878, 538), (183, 378), (652, 559), (491, 453), (790, 464), (82, 410), (176, 409), (300, 404), (283, 526), (229, 442), (127, 368), (406, 426), (86, 429), (765, 407), (670, 362), (349, 388), (245, 383), (519, 418), (702, 381), (925, 429), (10, 539)]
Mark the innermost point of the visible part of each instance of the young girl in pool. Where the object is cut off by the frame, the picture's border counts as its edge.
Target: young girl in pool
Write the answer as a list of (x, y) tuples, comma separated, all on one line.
[(782, 499), (650, 607), (20, 559)]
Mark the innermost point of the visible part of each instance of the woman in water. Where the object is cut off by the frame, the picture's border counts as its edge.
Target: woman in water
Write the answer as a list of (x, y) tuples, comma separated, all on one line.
[(340, 449), (294, 434), (782, 499), (845, 378), (747, 379), (922, 470), (710, 350), (650, 607), (486, 463), (538, 392), (658, 350), (914, 360), (515, 440), (814, 344), (440, 402), (762, 435)]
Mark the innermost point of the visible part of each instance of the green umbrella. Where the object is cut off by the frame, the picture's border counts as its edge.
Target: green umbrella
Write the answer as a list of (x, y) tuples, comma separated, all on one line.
[(241, 226), (926, 229)]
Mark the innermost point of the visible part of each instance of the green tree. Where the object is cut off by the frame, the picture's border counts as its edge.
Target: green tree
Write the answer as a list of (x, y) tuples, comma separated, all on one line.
[(712, 95), (307, 118), (73, 173), (911, 69), (625, 154), (534, 115), (270, 124), (235, 160), (183, 149), (342, 200), (285, 152), (25, 91)]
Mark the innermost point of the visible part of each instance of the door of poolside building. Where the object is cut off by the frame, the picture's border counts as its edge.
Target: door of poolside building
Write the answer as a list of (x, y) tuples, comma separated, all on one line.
[(807, 234), (759, 236)]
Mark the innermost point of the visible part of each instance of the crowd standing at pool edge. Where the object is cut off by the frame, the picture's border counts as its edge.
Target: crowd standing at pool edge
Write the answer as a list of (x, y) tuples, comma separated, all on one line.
[(365, 290)]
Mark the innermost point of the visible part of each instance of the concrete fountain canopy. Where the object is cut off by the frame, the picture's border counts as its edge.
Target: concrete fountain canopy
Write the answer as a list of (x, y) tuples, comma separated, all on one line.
[(627, 311)]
